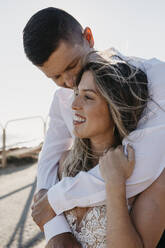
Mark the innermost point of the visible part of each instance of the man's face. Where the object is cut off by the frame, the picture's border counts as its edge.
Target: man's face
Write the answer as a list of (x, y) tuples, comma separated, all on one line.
[(65, 63)]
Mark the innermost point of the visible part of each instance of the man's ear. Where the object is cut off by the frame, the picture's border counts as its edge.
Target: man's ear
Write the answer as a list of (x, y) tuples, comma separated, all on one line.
[(88, 36)]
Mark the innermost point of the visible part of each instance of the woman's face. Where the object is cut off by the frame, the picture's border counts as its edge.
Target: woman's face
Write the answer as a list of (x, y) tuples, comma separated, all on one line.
[(92, 117)]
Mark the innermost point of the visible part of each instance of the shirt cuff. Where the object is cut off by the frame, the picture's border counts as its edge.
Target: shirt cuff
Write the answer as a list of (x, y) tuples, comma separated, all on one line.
[(56, 226)]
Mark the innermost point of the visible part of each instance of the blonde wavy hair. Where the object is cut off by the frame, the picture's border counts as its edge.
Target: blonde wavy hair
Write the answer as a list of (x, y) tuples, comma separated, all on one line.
[(125, 90)]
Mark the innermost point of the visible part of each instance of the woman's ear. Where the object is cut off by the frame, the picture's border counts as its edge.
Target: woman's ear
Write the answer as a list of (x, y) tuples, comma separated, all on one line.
[(88, 36)]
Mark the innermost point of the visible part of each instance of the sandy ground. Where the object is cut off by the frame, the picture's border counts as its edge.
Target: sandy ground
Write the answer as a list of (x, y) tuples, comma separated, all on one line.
[(17, 186)]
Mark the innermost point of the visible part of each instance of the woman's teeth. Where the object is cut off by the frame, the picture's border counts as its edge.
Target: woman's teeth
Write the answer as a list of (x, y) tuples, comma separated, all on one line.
[(78, 119)]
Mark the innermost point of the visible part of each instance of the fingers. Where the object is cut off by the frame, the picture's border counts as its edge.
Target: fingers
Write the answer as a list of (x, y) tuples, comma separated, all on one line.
[(131, 153), (36, 219)]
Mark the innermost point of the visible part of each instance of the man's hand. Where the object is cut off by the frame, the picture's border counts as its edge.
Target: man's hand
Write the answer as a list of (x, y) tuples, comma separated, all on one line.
[(115, 166), (42, 212), (39, 195), (63, 240)]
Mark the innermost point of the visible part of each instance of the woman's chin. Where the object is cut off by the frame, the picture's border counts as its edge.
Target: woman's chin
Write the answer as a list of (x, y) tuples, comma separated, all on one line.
[(79, 134)]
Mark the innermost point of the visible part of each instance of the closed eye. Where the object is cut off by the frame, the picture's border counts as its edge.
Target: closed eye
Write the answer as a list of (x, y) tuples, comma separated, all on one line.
[(72, 66), (88, 97), (56, 77)]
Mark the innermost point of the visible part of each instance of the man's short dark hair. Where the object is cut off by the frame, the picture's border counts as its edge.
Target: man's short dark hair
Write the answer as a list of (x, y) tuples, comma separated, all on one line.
[(44, 31)]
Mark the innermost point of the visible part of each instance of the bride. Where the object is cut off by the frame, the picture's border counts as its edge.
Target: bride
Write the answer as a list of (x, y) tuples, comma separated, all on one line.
[(110, 98)]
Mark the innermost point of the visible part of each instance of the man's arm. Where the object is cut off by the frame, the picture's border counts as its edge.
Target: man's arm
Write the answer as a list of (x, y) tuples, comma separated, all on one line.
[(148, 213), (147, 137)]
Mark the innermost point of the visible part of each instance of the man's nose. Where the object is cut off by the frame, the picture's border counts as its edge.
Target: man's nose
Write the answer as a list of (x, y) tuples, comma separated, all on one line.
[(69, 84), (69, 80)]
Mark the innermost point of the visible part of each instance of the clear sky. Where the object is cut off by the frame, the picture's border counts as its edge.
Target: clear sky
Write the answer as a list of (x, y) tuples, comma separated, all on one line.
[(135, 27)]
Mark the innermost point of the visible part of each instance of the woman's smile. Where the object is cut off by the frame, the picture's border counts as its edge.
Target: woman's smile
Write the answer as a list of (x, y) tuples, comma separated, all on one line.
[(78, 119)]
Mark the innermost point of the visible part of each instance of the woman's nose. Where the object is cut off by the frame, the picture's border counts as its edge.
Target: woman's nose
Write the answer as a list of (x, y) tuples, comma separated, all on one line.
[(76, 104)]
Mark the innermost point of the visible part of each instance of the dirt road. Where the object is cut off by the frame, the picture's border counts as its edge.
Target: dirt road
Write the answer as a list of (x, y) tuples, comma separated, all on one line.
[(17, 186)]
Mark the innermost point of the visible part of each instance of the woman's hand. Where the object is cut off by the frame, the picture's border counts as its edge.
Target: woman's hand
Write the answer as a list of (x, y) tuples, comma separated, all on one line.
[(115, 166)]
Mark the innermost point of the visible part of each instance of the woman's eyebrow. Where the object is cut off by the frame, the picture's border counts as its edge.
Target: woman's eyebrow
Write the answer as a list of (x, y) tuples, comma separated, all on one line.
[(90, 90)]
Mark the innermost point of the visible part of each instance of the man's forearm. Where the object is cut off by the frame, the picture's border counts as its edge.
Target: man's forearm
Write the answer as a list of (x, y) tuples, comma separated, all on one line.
[(120, 230)]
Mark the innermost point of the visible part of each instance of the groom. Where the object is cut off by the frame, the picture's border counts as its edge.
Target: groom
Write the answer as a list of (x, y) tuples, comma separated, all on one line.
[(56, 43)]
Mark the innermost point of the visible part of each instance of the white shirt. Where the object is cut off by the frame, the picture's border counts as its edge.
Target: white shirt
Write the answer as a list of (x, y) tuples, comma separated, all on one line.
[(88, 188)]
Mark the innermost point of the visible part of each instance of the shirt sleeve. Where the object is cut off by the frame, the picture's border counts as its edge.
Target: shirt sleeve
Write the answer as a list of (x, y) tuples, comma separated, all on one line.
[(88, 189), (57, 140), (56, 226)]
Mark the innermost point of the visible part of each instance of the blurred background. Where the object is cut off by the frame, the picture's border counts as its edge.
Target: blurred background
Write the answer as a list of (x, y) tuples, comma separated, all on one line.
[(135, 28)]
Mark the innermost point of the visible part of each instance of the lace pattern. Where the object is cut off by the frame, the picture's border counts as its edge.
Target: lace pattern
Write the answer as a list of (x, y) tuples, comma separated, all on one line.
[(91, 230)]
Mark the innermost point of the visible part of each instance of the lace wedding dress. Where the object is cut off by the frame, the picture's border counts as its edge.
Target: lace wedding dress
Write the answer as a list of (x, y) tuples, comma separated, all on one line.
[(88, 225)]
